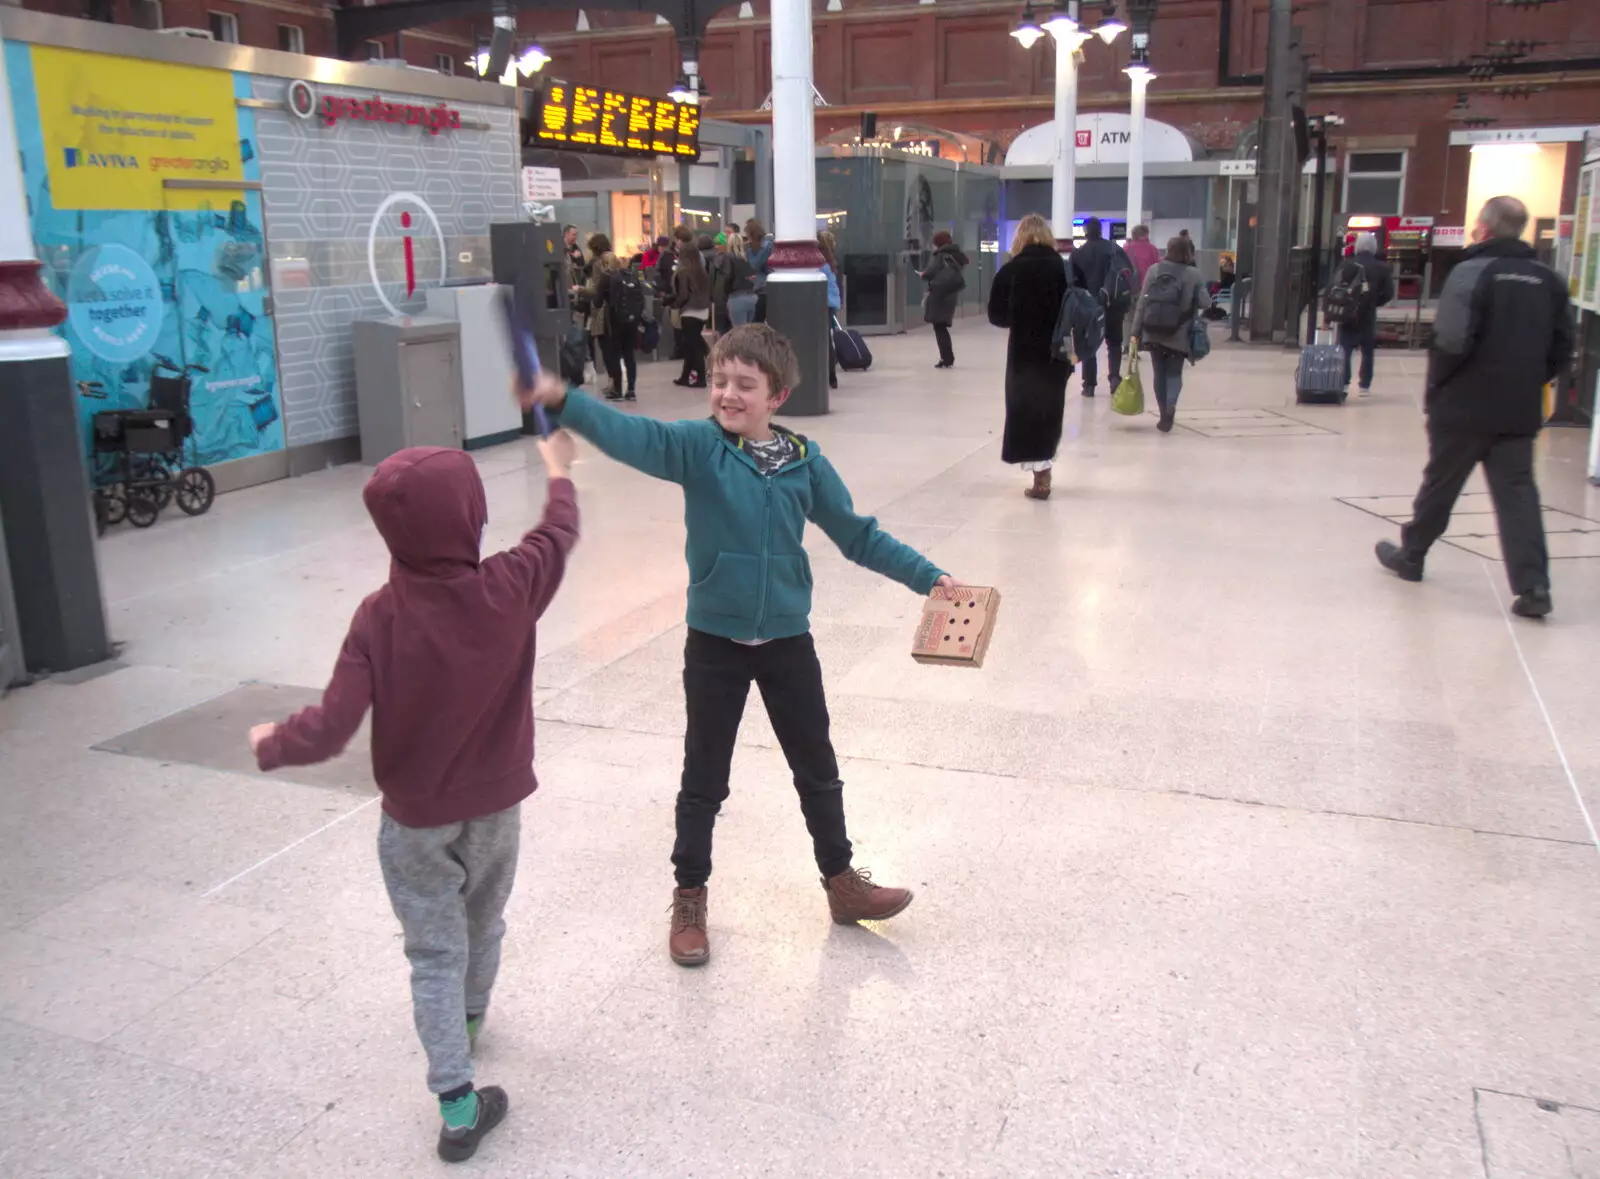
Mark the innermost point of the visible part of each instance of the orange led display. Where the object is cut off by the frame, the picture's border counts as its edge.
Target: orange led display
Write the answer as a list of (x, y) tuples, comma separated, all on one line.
[(590, 118), (555, 114)]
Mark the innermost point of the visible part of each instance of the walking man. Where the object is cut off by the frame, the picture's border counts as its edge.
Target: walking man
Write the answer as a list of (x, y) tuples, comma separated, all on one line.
[(1368, 283), (1106, 272), (1503, 330)]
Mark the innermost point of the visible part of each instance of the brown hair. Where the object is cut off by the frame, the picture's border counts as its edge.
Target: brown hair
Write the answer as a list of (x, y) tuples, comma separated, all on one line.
[(769, 351), (599, 243), (1033, 230), (1140, 233), (942, 238), (829, 245), (1179, 250), (689, 259), (684, 234), (754, 231)]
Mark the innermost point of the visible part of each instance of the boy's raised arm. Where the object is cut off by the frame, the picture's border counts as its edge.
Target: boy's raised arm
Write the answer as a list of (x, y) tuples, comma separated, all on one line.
[(665, 450), (542, 553), (322, 731), (860, 538)]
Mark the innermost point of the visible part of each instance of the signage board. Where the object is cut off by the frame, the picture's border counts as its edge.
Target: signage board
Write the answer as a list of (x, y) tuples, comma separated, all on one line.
[(116, 128), (541, 184), (1589, 228), (1450, 237), (1519, 135), (591, 118), (1103, 139)]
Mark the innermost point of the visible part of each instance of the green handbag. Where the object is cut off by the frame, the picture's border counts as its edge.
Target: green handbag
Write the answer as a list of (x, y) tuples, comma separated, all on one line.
[(1129, 397)]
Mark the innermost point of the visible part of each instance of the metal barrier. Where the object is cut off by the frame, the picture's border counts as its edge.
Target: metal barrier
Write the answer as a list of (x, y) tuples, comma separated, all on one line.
[(1236, 312)]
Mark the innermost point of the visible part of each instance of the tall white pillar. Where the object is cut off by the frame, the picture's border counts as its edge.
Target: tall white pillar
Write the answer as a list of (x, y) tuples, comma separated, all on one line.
[(1140, 77), (794, 166), (1064, 178)]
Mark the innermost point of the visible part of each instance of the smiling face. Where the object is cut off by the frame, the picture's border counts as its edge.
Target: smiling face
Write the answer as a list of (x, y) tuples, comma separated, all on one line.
[(742, 401)]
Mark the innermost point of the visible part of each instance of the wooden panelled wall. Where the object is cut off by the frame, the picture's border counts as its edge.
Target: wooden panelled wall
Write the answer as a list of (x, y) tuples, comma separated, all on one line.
[(888, 54)]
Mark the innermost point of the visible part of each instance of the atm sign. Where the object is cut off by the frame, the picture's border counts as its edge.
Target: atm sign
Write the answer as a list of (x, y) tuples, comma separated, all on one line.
[(591, 118)]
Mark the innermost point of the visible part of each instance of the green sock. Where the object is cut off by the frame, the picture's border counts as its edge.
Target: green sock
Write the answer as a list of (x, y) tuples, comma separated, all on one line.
[(460, 1113), (474, 1025)]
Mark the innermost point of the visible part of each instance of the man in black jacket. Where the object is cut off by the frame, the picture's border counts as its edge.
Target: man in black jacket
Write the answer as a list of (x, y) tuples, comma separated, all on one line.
[(1092, 263), (1503, 330)]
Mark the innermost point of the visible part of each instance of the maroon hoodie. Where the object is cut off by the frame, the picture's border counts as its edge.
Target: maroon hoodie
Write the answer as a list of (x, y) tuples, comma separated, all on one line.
[(444, 652)]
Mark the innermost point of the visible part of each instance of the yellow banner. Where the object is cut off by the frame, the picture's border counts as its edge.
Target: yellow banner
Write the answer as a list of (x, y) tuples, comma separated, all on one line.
[(116, 128)]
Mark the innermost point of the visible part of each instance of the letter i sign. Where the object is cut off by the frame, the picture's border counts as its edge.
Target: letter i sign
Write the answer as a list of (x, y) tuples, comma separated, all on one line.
[(411, 258)]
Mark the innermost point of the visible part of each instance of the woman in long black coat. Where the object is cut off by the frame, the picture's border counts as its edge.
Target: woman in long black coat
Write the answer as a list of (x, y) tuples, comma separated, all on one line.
[(1026, 297)]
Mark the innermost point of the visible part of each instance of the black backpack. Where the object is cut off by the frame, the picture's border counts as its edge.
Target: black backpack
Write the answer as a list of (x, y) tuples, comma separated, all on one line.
[(1164, 311), (626, 299), (1347, 297), (1121, 283)]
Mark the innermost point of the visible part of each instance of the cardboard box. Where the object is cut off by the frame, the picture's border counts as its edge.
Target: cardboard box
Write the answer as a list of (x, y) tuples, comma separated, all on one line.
[(956, 626)]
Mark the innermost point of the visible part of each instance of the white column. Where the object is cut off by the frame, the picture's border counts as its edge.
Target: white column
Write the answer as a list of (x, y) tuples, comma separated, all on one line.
[(1140, 77), (1064, 179), (16, 233), (794, 180), (29, 294)]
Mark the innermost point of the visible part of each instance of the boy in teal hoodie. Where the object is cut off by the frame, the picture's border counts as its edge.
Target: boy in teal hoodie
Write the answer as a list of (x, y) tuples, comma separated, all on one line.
[(749, 487)]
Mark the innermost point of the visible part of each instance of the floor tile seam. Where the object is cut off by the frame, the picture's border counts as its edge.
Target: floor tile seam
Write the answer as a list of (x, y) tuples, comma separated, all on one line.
[(101, 951), (334, 822), (1544, 711), (1565, 1105), (230, 570), (882, 510), (1135, 790), (233, 686)]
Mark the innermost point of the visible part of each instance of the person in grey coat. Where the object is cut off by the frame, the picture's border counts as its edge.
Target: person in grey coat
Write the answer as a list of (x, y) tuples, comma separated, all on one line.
[(1172, 296), (1502, 332), (945, 284)]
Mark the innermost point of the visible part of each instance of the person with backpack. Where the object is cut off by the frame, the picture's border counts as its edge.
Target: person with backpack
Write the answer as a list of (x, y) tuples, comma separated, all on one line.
[(617, 301), (945, 284), (1162, 323), (1026, 297), (1104, 270), (1362, 283)]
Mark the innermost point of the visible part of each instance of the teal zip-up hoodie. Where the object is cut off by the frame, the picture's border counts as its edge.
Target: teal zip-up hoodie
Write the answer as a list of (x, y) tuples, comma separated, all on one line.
[(749, 577)]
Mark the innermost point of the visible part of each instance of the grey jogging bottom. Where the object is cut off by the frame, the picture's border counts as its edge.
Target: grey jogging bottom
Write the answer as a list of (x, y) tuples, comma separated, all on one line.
[(449, 886)]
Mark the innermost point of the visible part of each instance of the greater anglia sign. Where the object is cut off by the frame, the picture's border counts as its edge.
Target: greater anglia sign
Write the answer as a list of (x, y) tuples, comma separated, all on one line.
[(434, 119)]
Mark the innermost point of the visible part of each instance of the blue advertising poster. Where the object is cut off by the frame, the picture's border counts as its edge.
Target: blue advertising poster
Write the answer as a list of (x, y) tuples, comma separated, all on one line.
[(177, 289)]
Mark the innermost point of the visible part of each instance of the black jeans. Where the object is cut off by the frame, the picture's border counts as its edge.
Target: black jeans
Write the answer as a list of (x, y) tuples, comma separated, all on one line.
[(717, 674), (692, 341), (1089, 362), (1166, 376), (1362, 334), (947, 352), (618, 344), (1508, 464)]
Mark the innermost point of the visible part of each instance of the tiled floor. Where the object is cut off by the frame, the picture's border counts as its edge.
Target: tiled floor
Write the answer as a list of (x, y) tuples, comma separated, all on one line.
[(1239, 858)]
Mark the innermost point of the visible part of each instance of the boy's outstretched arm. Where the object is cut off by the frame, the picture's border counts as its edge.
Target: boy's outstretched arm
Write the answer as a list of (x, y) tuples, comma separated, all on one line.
[(860, 538), (665, 450), (541, 556), (322, 731)]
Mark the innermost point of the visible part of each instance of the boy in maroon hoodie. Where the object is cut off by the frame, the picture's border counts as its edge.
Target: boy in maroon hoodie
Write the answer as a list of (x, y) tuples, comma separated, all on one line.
[(443, 655)]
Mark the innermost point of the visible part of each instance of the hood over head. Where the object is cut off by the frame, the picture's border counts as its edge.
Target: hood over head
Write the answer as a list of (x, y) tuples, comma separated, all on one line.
[(429, 506)]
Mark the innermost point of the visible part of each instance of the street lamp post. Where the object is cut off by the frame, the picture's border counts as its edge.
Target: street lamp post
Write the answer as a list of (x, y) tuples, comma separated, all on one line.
[(1141, 75), (1069, 36)]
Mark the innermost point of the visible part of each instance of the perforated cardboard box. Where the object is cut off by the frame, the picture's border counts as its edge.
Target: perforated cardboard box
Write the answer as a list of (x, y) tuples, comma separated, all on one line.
[(956, 626)]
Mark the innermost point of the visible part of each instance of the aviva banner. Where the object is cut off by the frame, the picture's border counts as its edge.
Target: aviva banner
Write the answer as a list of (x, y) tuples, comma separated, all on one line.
[(115, 127)]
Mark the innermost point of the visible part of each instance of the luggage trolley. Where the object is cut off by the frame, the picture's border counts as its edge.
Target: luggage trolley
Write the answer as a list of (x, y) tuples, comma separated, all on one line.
[(140, 460)]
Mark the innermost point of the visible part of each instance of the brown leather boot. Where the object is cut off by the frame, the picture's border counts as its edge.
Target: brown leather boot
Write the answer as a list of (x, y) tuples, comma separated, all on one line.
[(852, 896), (1041, 486), (688, 944)]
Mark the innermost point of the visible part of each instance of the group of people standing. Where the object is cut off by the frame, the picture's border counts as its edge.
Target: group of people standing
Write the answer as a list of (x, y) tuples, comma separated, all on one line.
[(706, 283), (1155, 297)]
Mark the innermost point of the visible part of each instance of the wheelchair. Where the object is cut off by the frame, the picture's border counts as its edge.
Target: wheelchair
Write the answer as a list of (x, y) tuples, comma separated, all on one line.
[(140, 456)]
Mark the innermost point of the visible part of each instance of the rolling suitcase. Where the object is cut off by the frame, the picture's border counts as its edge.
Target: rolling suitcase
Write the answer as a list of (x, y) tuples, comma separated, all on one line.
[(852, 351), (1319, 377)]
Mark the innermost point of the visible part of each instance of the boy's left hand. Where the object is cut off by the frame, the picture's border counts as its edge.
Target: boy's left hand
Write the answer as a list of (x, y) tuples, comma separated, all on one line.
[(258, 734), (547, 390)]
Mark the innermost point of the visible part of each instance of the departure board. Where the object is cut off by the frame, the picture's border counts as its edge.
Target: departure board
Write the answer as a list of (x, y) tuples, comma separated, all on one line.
[(590, 118)]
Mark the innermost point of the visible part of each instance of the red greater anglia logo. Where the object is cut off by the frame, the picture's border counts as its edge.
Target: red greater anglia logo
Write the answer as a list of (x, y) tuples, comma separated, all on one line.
[(434, 119)]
